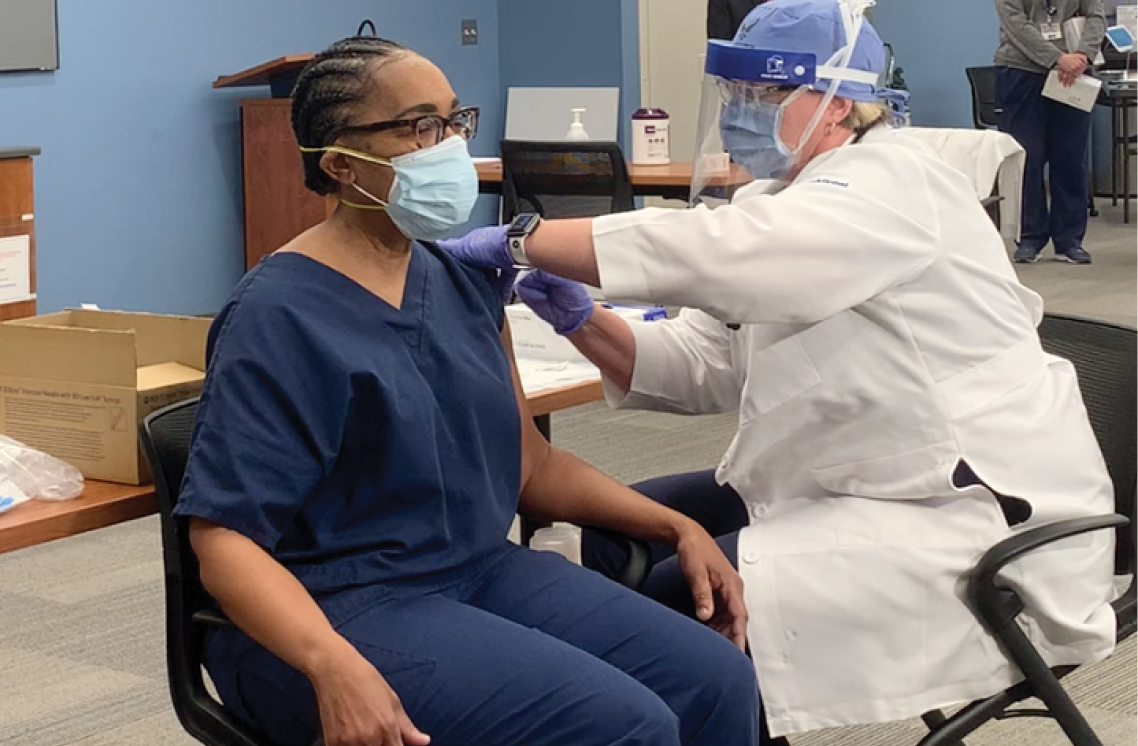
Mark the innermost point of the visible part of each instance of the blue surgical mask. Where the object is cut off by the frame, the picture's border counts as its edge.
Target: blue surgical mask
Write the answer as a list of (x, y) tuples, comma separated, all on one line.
[(433, 191), (749, 131)]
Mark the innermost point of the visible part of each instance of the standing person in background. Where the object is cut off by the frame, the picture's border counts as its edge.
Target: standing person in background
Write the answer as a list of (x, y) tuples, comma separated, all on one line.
[(1052, 133), (724, 16)]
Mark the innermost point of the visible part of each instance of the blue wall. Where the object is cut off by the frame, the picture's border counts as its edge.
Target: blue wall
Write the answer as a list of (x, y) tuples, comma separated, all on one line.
[(138, 189), (934, 41), (570, 43)]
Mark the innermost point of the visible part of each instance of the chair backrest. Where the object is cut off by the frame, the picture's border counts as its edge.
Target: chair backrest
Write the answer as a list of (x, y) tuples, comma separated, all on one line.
[(564, 179), (165, 437), (985, 108), (1104, 356)]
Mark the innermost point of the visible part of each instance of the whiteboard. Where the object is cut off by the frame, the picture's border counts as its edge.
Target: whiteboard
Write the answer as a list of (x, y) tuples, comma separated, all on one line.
[(544, 113), (28, 35)]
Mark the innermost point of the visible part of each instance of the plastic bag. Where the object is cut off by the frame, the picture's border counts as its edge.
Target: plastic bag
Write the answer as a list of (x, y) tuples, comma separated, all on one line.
[(26, 473)]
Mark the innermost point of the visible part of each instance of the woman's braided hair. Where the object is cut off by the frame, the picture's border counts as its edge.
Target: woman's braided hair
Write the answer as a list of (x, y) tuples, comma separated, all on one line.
[(326, 94)]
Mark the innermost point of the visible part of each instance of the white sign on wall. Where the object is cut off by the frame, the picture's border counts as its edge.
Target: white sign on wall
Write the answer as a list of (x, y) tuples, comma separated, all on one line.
[(15, 269)]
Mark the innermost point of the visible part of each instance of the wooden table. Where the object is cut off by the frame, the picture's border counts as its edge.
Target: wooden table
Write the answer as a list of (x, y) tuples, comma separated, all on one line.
[(101, 504), (672, 181), (104, 504)]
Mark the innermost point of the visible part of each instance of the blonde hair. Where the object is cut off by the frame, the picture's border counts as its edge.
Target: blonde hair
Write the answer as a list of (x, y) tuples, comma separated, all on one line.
[(865, 114)]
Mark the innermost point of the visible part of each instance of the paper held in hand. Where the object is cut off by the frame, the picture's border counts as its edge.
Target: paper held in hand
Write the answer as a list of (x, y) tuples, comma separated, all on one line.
[(1081, 94)]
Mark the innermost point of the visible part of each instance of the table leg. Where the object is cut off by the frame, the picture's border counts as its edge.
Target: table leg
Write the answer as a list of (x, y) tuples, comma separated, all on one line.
[(1125, 163), (1115, 115)]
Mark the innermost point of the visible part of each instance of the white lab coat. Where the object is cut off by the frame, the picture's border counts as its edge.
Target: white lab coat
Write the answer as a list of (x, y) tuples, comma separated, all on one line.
[(884, 338)]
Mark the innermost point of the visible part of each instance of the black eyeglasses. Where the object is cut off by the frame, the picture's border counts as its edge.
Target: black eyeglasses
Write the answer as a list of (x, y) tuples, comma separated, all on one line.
[(430, 129)]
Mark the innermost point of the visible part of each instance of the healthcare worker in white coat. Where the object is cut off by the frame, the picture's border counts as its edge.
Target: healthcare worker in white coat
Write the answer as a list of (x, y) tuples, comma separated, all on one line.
[(897, 414)]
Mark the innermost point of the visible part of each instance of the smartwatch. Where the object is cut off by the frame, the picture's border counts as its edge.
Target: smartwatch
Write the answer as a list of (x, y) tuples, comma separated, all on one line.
[(516, 233)]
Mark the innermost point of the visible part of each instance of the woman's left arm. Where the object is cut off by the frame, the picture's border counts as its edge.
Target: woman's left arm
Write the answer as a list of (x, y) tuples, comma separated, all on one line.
[(558, 486)]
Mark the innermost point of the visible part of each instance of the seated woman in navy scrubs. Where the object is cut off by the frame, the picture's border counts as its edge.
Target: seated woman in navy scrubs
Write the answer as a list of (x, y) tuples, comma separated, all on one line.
[(362, 445)]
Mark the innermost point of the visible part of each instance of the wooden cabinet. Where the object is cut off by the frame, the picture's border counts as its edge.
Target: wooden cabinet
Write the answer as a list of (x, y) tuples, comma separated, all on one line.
[(277, 205), (16, 217)]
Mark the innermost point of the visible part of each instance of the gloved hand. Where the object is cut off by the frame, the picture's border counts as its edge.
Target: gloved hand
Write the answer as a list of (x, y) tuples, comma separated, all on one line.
[(485, 248), (564, 304), (482, 247)]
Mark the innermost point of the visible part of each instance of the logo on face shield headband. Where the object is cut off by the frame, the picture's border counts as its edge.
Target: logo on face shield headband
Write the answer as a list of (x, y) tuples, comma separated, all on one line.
[(775, 65)]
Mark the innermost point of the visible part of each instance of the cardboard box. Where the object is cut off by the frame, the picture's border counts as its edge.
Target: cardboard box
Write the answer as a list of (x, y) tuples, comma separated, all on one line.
[(75, 384)]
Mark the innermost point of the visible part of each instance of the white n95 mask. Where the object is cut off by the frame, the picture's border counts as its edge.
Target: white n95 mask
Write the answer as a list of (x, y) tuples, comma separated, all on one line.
[(433, 191)]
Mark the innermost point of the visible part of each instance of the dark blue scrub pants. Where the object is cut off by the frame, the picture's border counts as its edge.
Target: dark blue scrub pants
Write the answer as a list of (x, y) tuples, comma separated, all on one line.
[(525, 648), (720, 511), (1054, 135)]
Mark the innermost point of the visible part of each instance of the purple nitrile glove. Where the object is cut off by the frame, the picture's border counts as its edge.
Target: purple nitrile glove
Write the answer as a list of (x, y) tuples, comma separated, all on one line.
[(564, 304), (485, 248), (482, 247)]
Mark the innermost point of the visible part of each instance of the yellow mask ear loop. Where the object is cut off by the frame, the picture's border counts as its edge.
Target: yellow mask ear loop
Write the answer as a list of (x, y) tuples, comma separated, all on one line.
[(379, 204)]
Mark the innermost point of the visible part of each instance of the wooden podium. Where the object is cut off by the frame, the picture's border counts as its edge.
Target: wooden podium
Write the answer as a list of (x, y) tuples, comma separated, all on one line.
[(277, 205), (16, 221)]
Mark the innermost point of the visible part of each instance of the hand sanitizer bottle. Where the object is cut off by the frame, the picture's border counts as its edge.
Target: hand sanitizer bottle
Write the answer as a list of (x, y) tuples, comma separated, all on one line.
[(576, 129)]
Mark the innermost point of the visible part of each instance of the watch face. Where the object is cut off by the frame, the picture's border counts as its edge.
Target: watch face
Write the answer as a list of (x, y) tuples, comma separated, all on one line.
[(524, 223)]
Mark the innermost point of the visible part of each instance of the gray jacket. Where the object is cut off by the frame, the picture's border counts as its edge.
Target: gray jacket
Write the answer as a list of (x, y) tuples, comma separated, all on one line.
[(1022, 45)]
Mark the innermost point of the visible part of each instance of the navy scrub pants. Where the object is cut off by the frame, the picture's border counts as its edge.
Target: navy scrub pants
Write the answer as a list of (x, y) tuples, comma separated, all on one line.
[(1054, 135), (717, 508), (523, 648)]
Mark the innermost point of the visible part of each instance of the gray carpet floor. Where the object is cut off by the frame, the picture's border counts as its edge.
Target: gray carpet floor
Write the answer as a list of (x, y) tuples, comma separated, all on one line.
[(81, 619)]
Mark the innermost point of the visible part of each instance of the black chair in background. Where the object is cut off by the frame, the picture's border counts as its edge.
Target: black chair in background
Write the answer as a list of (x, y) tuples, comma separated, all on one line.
[(985, 116), (191, 612), (985, 110), (1104, 355), (564, 179)]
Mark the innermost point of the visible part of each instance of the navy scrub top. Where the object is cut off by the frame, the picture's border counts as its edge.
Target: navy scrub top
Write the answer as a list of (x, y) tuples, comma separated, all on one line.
[(354, 441)]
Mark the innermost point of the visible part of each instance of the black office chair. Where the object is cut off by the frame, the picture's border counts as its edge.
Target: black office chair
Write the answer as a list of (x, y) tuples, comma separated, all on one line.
[(564, 179), (985, 109), (190, 611), (985, 116), (1104, 355)]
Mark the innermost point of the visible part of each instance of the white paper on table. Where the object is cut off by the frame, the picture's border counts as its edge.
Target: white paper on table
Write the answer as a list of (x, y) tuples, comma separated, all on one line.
[(15, 269), (538, 375)]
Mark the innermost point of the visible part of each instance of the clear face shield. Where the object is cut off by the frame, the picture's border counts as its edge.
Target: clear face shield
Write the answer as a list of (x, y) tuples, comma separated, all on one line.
[(739, 138)]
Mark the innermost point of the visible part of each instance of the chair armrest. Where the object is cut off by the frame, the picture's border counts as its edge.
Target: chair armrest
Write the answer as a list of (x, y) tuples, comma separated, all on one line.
[(211, 618), (639, 563), (992, 602)]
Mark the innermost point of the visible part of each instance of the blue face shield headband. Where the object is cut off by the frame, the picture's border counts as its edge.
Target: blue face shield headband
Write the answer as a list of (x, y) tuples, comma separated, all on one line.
[(749, 126)]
